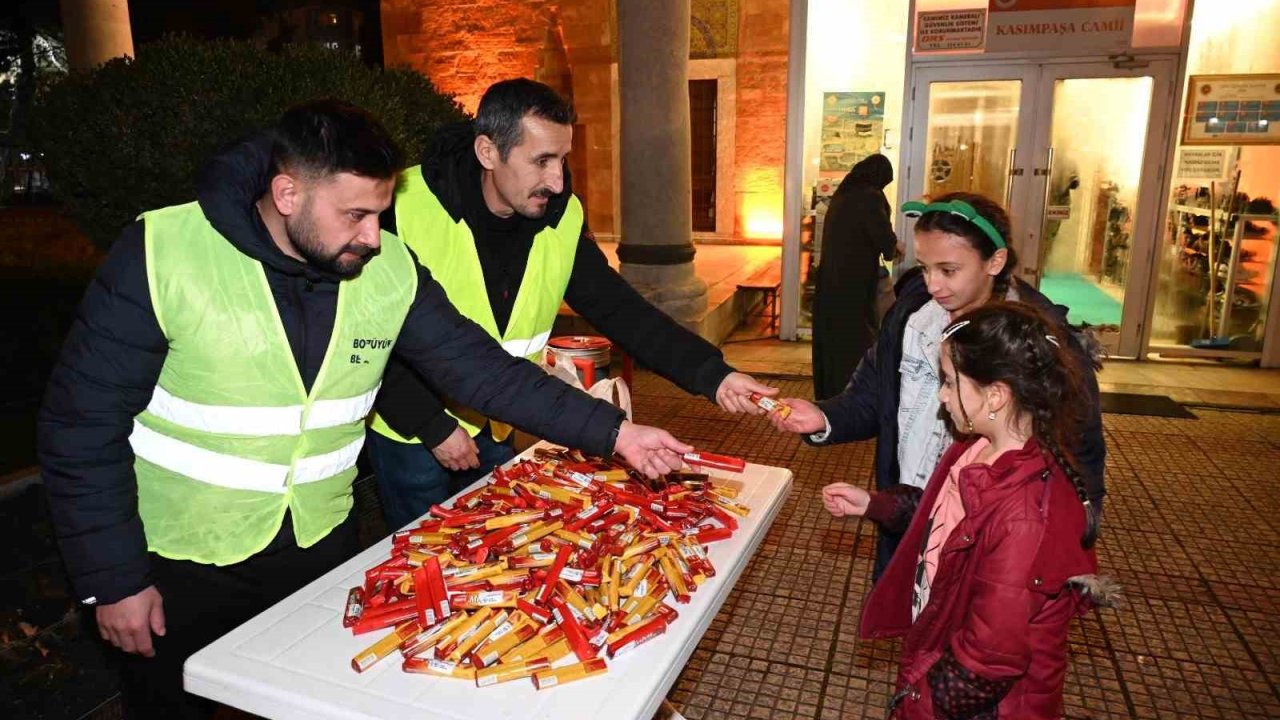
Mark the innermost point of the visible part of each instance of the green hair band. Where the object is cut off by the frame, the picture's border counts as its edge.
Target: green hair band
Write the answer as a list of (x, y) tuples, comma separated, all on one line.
[(916, 208)]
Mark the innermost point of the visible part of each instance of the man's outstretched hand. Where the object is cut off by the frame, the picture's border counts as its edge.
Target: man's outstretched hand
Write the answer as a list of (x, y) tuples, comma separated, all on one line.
[(652, 451), (734, 393)]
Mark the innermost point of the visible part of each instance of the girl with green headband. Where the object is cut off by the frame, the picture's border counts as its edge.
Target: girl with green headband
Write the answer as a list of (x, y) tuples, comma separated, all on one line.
[(964, 260)]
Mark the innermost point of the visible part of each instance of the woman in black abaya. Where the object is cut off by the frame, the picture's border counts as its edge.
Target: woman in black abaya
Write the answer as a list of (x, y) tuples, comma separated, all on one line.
[(856, 232)]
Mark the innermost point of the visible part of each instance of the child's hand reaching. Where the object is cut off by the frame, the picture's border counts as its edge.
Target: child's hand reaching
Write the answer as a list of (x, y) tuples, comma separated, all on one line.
[(805, 417), (843, 499)]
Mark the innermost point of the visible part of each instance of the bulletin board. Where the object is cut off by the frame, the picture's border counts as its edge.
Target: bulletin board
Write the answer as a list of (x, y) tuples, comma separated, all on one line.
[(1232, 110)]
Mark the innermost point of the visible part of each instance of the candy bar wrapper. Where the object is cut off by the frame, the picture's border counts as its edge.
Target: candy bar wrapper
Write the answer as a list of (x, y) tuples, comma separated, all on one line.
[(507, 673), (712, 460), (501, 642), (552, 677), (384, 617), (548, 585), (427, 639), (464, 630), (535, 646), (574, 633), (770, 405), (442, 668), (385, 645), (480, 634), (486, 598), (354, 608), (636, 636), (539, 614)]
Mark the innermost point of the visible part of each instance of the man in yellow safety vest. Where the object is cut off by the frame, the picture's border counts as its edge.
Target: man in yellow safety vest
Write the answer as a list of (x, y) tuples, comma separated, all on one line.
[(491, 212), (199, 436)]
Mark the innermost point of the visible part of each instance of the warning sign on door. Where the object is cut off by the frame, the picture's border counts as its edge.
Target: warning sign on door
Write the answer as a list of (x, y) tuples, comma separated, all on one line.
[(951, 30)]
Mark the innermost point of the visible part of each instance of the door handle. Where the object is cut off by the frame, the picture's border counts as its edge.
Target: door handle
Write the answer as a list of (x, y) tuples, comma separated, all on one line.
[(1014, 171), (1048, 168), (1046, 171)]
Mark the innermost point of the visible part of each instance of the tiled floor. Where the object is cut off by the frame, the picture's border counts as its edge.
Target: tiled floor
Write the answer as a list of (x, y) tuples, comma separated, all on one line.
[(1190, 531)]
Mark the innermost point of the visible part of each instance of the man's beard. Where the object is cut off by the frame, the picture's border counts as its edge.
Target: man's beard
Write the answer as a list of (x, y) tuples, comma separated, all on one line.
[(536, 213), (305, 238)]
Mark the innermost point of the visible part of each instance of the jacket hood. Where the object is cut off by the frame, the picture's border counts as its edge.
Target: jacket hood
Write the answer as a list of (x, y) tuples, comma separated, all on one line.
[(227, 189), (875, 171), (450, 168)]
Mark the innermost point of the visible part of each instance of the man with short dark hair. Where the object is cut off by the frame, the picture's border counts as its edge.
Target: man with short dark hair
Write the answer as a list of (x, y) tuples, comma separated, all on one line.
[(199, 436), (492, 213)]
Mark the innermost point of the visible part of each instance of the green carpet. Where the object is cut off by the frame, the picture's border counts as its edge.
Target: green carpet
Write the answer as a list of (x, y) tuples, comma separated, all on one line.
[(1088, 303)]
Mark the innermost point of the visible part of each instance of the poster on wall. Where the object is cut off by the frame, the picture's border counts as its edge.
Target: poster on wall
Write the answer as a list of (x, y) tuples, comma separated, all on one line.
[(945, 30), (1018, 25), (852, 128), (1232, 110)]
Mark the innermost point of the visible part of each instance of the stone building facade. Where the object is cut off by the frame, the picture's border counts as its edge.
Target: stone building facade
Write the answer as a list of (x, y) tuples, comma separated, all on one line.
[(572, 46)]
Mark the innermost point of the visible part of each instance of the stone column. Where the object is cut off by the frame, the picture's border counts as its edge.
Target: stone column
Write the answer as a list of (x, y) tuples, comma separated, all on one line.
[(656, 250), (96, 31)]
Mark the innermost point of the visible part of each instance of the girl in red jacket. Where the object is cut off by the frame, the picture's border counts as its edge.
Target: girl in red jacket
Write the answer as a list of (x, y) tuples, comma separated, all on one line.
[(999, 559)]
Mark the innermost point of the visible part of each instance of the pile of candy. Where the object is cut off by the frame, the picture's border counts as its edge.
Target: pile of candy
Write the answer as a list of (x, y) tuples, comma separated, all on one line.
[(558, 556)]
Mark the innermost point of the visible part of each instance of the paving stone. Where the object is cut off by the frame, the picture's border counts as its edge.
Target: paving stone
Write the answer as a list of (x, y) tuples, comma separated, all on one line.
[(1166, 688), (1093, 687), (720, 685), (792, 630), (1129, 556), (795, 573), (1191, 632), (1259, 631)]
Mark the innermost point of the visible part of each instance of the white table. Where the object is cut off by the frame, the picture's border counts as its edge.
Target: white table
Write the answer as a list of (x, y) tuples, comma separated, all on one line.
[(294, 660)]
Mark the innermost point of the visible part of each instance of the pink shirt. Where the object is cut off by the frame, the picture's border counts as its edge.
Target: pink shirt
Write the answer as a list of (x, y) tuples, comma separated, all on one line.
[(946, 514)]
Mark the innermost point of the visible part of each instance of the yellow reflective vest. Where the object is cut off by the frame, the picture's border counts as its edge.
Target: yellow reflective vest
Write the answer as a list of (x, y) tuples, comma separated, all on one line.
[(448, 249), (231, 438)]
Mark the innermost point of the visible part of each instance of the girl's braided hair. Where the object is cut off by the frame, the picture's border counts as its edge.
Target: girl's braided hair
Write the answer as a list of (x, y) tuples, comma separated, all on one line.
[(1015, 344)]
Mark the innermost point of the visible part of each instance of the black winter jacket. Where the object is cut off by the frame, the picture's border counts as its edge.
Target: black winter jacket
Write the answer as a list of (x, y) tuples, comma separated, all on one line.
[(868, 407), (113, 354), (411, 406)]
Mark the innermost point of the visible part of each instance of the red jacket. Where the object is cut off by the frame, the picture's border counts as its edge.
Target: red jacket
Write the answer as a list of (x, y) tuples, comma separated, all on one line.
[(1007, 585)]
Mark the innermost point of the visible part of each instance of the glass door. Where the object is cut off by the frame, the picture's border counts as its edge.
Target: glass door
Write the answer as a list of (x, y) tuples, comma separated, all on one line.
[(1075, 151), (1100, 139), (977, 123)]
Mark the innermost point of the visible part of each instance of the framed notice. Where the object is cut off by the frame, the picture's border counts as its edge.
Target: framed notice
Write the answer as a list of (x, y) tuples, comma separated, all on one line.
[(1232, 110), (951, 30), (852, 128)]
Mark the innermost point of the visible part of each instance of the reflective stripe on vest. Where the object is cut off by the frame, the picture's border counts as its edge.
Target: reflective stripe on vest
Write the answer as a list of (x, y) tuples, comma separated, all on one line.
[(448, 249), (232, 439), (527, 348), (259, 421), (237, 473)]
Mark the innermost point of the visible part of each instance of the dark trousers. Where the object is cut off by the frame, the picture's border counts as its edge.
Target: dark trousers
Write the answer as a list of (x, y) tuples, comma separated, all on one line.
[(411, 480), (204, 602)]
